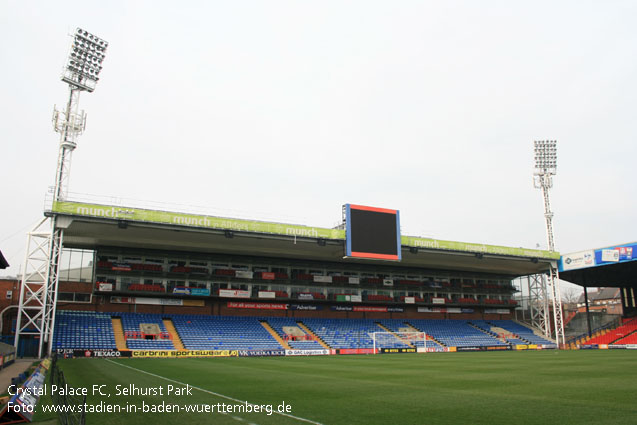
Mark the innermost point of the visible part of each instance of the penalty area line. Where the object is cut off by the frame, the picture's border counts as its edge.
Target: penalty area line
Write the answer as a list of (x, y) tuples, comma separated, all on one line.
[(211, 392)]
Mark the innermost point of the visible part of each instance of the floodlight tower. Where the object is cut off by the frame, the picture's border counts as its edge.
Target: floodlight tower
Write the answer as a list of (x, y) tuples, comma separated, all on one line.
[(38, 290), (545, 169)]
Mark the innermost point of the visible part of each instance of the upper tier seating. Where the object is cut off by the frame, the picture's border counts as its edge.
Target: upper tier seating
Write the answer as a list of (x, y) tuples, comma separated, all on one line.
[(146, 288), (379, 298)]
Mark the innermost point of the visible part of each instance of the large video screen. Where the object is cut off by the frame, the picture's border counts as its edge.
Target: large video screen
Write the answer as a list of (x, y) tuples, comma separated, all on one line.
[(372, 233)]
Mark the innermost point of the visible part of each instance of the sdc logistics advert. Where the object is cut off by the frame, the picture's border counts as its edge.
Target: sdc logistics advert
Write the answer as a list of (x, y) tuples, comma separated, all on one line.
[(104, 392)]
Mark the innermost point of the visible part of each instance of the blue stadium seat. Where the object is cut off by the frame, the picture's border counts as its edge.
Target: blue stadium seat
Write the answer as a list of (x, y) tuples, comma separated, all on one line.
[(83, 330)]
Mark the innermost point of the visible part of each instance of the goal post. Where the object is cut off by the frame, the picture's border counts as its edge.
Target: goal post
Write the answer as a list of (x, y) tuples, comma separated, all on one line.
[(399, 340)]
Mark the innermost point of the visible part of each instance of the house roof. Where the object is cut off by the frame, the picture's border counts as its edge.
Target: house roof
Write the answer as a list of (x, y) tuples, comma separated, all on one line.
[(3, 262), (600, 294)]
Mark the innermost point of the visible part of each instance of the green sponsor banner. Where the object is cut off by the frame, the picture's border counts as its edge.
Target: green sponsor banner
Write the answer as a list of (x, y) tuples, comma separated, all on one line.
[(181, 219), (436, 244), (193, 220)]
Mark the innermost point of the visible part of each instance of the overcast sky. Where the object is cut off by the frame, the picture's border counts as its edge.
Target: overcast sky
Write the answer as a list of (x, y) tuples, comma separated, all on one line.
[(286, 110)]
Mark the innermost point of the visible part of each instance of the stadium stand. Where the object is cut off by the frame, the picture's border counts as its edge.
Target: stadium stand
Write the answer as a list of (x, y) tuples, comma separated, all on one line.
[(88, 330), (348, 333), (526, 334), (629, 339), (136, 339), (619, 335), (379, 298), (498, 332), (83, 330), (146, 288), (223, 333), (398, 325), (299, 340), (214, 279), (456, 333)]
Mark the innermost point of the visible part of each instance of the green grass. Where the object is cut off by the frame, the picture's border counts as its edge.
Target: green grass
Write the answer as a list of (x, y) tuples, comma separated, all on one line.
[(534, 387)]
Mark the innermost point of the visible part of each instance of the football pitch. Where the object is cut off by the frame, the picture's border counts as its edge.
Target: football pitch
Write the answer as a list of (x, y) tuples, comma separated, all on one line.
[(533, 387)]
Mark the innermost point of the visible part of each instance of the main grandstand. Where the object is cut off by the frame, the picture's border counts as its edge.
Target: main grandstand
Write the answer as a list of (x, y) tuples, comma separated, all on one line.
[(167, 284), (185, 283)]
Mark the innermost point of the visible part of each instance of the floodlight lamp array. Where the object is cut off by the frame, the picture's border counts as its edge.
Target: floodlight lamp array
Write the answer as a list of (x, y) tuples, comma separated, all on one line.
[(546, 156), (85, 60)]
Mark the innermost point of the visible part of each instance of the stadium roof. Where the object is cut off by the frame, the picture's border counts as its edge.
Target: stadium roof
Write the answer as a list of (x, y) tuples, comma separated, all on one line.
[(3, 263), (90, 226), (614, 266)]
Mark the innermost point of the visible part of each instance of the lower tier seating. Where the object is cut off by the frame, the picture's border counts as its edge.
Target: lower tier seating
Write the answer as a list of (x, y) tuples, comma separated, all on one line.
[(223, 333), (135, 340), (619, 335), (349, 333), (402, 326), (295, 342), (90, 330), (83, 330), (456, 333), (526, 334)]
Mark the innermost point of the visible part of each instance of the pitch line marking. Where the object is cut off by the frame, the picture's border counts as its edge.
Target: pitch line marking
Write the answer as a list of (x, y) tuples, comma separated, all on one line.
[(212, 392)]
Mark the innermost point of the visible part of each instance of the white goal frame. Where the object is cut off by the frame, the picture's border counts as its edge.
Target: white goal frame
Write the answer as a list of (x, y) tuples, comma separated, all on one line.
[(404, 337)]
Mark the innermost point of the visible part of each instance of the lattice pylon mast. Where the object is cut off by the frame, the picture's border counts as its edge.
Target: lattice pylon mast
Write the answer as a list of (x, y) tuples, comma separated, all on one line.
[(40, 276), (538, 303), (70, 124), (545, 169)]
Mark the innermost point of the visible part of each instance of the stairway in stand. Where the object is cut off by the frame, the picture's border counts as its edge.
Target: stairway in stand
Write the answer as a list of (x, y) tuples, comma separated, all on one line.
[(398, 337), (275, 335), (179, 346), (313, 335), (429, 337), (118, 333)]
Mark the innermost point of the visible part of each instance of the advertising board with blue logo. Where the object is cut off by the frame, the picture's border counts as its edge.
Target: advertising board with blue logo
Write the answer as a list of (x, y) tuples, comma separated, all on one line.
[(598, 257)]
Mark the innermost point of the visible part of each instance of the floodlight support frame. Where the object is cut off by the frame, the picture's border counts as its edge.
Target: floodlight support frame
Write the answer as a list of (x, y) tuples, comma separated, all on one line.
[(70, 124), (40, 275), (539, 303), (542, 179)]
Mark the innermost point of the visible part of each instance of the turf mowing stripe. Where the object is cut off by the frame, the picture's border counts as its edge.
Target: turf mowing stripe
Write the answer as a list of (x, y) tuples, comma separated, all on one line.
[(213, 393)]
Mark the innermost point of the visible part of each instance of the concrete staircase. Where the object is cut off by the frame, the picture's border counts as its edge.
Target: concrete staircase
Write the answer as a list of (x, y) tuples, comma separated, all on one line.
[(498, 333), (429, 337), (174, 334), (403, 340), (313, 335), (118, 333), (275, 335)]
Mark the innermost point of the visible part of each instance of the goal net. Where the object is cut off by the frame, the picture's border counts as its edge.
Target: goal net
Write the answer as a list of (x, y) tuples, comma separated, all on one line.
[(383, 340)]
